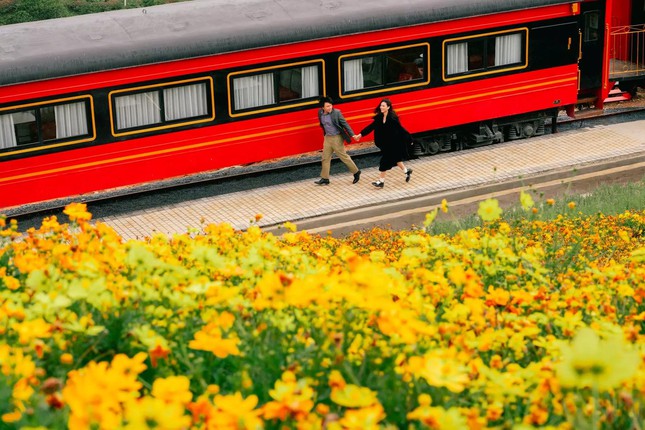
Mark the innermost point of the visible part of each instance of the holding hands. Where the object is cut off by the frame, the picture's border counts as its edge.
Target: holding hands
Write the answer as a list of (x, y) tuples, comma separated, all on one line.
[(357, 137)]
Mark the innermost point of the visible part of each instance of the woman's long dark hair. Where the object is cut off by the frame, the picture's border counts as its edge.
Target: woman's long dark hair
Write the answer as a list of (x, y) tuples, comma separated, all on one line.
[(391, 113)]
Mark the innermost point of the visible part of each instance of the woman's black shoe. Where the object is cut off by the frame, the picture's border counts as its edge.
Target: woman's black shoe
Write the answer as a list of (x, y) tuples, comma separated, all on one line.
[(378, 184), (322, 181), (407, 175)]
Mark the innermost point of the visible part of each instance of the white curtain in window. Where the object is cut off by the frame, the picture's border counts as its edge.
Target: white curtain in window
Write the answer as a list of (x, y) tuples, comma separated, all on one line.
[(457, 61), (7, 133), (253, 91), (353, 74), (137, 110), (508, 49), (310, 82), (185, 102), (71, 120)]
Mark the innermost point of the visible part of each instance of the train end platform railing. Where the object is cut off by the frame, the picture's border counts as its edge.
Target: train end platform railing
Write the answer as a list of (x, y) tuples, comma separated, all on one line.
[(627, 52)]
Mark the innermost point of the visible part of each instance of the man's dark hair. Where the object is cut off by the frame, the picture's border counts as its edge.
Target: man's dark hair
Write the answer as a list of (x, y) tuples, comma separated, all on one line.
[(326, 99)]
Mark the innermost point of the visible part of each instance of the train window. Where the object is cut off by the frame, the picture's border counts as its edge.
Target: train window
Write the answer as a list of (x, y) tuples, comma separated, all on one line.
[(376, 71), (137, 110), (187, 101), (484, 54), (161, 106), (254, 91), (275, 88), (591, 26), (44, 123)]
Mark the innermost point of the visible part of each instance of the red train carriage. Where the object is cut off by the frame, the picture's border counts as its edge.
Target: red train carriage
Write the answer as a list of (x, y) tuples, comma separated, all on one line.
[(112, 100)]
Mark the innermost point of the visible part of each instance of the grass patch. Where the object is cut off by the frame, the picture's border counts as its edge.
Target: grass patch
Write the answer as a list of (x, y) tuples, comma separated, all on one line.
[(606, 199)]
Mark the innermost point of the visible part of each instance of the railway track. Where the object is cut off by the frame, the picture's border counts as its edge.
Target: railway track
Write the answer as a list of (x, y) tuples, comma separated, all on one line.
[(248, 178)]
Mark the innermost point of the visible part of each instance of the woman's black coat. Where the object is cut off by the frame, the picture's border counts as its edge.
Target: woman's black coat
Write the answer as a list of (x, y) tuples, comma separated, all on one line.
[(391, 138)]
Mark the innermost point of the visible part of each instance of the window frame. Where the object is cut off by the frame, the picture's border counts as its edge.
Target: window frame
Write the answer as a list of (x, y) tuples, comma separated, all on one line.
[(278, 105), (164, 124), (53, 143), (489, 70), (386, 87)]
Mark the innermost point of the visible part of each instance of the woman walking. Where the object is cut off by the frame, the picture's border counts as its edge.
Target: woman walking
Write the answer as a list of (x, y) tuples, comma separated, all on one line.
[(391, 138)]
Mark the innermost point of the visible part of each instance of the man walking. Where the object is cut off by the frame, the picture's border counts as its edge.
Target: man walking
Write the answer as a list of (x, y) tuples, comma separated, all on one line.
[(336, 131)]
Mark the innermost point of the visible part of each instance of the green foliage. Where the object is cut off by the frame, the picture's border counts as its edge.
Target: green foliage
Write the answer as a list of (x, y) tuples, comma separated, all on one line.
[(31, 10), (16, 11)]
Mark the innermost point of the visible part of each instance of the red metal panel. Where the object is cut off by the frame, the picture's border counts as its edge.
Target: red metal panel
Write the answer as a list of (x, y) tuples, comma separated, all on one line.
[(620, 13)]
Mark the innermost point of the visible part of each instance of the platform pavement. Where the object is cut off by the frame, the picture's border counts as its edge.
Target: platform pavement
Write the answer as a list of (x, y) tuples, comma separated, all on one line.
[(302, 200)]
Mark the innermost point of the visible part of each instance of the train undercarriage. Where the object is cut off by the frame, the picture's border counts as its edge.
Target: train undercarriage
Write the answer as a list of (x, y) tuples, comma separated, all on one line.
[(482, 133)]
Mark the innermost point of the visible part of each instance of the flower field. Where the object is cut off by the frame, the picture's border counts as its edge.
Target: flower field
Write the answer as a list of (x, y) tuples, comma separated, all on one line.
[(529, 324)]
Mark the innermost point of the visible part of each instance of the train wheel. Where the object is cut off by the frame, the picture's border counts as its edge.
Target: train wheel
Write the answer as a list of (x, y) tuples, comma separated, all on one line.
[(433, 147)]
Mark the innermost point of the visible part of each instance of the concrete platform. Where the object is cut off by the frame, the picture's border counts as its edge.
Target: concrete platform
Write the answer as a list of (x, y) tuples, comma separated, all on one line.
[(301, 202)]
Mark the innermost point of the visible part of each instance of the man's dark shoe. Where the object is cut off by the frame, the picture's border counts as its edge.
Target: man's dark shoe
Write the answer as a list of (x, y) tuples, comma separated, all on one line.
[(378, 184), (322, 181), (407, 175), (357, 177)]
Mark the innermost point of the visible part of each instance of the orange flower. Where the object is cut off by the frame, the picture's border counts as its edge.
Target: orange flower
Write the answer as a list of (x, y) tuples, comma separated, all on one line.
[(497, 297), (158, 352)]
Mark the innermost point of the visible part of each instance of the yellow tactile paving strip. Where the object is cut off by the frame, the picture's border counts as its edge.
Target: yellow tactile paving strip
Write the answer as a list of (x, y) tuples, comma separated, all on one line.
[(475, 167)]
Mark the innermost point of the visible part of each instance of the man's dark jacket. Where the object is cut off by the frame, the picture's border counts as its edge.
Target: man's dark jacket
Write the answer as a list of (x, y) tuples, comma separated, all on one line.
[(338, 120)]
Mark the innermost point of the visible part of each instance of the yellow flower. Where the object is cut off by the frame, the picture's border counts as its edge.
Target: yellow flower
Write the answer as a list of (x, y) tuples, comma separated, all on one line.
[(526, 201), (291, 398), (219, 346), (572, 205), (550, 202), (364, 418), (352, 396), (172, 389), (489, 210), (11, 283), (235, 412), (289, 226), (96, 394), (66, 358), (336, 380), (211, 338), (30, 330), (593, 362), (444, 206), (624, 236), (77, 212), (440, 370), (152, 413), (439, 418), (430, 217)]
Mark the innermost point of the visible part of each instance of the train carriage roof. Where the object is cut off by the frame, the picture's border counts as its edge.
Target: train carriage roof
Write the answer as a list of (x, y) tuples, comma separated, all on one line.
[(110, 40)]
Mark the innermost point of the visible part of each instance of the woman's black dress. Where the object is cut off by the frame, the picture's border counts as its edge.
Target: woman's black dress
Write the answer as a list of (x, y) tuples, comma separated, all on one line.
[(391, 138)]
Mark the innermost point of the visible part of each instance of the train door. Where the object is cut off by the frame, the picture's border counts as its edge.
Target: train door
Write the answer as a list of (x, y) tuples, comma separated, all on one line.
[(638, 12), (592, 27)]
